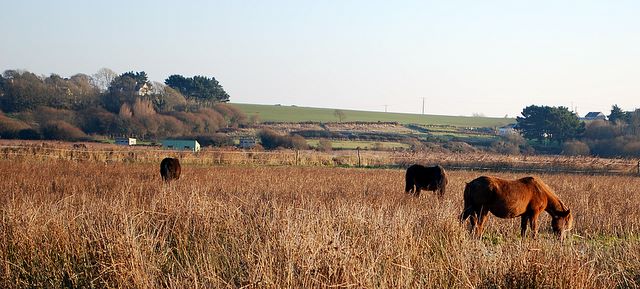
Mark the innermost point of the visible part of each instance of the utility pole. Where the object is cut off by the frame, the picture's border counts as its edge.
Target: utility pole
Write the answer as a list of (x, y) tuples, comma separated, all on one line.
[(385, 107), (423, 105)]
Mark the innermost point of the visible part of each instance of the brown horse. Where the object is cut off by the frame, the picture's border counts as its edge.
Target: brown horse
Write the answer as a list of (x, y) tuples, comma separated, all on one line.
[(170, 169), (525, 198), (429, 178)]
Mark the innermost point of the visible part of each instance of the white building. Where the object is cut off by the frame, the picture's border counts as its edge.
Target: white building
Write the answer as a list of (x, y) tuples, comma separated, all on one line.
[(507, 130), (126, 141)]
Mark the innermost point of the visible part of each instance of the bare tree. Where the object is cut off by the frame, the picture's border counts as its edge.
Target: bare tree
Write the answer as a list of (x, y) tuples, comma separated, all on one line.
[(103, 78), (340, 115)]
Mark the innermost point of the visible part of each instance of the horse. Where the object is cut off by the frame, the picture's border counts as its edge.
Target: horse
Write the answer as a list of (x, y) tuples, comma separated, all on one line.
[(170, 169), (525, 198), (429, 178)]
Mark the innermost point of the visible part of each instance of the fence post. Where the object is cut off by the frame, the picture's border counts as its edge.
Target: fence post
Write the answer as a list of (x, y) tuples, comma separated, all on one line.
[(297, 151), (358, 150), (638, 167)]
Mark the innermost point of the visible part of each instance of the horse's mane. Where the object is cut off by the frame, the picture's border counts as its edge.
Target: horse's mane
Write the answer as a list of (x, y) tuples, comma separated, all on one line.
[(545, 189)]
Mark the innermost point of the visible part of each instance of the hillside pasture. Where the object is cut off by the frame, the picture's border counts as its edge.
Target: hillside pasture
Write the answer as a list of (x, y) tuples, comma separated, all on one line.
[(281, 113)]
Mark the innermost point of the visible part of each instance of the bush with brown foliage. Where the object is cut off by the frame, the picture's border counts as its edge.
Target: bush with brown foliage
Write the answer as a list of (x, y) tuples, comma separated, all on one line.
[(10, 128), (325, 145), (270, 139), (575, 148), (61, 130)]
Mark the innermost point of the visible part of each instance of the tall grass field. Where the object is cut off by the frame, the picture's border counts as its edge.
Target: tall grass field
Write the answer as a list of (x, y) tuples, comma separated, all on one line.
[(90, 224)]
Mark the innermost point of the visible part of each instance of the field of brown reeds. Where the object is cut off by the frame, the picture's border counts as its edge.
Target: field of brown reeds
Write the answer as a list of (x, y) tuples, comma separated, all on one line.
[(102, 224), (482, 161)]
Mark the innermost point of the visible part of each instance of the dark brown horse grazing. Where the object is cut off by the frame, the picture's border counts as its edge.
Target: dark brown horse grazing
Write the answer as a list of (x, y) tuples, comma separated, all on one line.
[(170, 169), (525, 198), (429, 178)]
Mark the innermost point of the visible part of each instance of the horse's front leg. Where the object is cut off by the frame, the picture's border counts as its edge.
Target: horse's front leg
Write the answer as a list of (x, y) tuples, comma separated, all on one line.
[(483, 215), (417, 193), (523, 225), (473, 221), (533, 222)]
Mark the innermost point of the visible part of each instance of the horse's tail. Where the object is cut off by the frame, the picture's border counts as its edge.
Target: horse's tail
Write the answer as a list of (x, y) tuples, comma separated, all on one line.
[(409, 188), (164, 171), (442, 182)]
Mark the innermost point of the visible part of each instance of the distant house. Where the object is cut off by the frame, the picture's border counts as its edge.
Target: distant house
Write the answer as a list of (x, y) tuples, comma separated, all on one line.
[(125, 141), (507, 130), (181, 144), (594, 115), (247, 142), (143, 90)]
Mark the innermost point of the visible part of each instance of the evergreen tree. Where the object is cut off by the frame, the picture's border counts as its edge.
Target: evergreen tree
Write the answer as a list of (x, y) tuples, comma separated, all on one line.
[(551, 123)]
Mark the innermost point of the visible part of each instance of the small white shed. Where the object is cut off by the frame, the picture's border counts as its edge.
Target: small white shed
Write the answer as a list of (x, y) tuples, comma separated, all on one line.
[(126, 141)]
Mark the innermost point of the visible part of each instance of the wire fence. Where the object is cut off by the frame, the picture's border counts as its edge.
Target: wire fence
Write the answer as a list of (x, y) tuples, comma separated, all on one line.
[(342, 158)]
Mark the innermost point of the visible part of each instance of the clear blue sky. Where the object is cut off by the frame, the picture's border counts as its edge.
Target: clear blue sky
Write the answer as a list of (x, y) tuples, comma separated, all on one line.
[(463, 57)]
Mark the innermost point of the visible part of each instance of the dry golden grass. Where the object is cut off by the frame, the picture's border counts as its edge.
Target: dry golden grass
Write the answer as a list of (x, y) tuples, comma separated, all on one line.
[(93, 224)]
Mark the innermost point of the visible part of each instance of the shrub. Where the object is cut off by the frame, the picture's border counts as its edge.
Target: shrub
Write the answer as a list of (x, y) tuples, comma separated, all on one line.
[(10, 128), (601, 129), (61, 130), (505, 147), (216, 139), (325, 145), (575, 148), (298, 142), (271, 140), (607, 147), (632, 148)]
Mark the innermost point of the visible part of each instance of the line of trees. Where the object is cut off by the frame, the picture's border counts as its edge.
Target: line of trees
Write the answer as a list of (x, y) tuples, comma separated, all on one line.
[(618, 135), (111, 104)]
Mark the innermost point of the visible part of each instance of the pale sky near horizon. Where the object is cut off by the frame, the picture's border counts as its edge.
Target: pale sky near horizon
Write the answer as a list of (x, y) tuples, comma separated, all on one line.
[(464, 57)]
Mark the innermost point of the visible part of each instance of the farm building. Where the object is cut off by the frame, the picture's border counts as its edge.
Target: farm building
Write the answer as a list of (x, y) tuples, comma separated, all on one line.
[(507, 130), (125, 141), (180, 144), (247, 142), (594, 115)]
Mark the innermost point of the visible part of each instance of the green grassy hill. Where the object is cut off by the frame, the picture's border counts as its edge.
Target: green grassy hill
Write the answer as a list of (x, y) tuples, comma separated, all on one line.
[(299, 114)]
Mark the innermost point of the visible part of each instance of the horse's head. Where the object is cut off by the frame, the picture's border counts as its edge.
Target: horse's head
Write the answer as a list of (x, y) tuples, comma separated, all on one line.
[(561, 223)]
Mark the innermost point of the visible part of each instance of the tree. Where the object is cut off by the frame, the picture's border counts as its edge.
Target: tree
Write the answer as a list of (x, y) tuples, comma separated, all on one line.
[(179, 83), (169, 100), (550, 123), (22, 91), (125, 89), (84, 93), (617, 115), (140, 77), (340, 115), (103, 78), (200, 88)]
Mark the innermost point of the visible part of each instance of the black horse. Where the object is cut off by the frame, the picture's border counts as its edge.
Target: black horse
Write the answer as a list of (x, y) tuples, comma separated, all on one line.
[(429, 178), (170, 169)]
